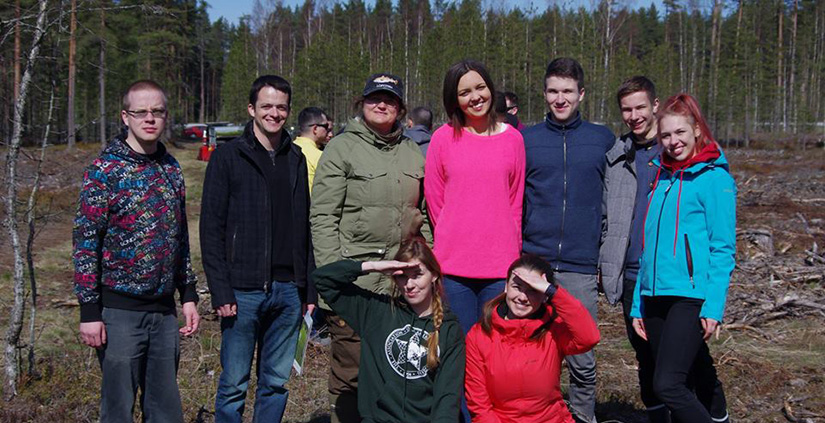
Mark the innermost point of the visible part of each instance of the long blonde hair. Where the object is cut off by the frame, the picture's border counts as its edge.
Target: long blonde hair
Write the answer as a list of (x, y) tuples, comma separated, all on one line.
[(416, 249)]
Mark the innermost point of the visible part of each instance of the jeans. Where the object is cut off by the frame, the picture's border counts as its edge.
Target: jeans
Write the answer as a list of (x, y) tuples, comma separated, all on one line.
[(269, 321), (582, 367), (466, 298), (675, 333), (142, 350)]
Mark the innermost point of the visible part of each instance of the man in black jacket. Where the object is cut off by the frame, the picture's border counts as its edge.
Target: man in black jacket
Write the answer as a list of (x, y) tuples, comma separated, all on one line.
[(257, 253)]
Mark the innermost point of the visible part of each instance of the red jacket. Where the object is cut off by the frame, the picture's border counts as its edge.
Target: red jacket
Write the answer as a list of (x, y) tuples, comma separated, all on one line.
[(511, 378)]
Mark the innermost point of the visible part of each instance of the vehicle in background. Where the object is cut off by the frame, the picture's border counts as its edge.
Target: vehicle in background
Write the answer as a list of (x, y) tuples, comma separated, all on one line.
[(221, 131), (193, 131), (214, 133), (224, 131)]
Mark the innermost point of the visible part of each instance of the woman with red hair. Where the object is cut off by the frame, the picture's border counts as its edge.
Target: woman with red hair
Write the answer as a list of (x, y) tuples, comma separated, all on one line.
[(688, 256)]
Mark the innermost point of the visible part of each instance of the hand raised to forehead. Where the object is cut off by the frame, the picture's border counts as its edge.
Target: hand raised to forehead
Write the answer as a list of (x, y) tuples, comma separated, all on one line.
[(387, 267), (533, 279)]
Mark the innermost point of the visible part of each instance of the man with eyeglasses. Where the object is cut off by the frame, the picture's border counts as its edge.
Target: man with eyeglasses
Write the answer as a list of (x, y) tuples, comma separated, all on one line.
[(257, 253), (316, 131), (131, 253)]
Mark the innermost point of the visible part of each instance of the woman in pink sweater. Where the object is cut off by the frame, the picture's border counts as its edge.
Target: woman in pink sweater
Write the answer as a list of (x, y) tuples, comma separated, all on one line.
[(474, 184)]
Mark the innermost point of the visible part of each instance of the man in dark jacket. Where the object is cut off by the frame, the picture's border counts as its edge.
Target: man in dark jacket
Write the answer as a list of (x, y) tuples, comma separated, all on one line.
[(257, 253), (131, 253), (563, 205), (420, 127)]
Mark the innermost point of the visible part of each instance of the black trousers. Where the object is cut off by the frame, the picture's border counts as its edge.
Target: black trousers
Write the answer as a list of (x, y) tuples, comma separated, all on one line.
[(644, 355), (681, 356)]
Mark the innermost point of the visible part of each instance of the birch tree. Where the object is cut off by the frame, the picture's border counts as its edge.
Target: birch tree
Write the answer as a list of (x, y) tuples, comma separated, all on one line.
[(11, 350)]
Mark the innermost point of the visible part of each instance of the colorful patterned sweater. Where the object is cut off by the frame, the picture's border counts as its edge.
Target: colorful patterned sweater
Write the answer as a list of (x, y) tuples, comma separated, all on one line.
[(131, 241)]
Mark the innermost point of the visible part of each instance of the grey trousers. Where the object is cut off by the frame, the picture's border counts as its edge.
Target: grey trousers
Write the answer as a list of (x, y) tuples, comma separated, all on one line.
[(582, 367), (142, 350)]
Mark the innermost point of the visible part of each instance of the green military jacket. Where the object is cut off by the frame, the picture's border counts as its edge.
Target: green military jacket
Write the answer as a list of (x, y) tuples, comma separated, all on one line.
[(367, 196)]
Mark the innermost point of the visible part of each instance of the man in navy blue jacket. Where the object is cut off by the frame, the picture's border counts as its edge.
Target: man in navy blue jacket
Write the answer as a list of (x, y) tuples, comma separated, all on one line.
[(563, 206)]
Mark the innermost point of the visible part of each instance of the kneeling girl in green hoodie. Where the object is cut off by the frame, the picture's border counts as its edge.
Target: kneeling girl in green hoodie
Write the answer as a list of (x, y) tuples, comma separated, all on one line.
[(412, 347)]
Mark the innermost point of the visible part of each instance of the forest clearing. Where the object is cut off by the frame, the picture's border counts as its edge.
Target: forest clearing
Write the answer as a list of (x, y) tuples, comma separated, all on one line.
[(769, 355)]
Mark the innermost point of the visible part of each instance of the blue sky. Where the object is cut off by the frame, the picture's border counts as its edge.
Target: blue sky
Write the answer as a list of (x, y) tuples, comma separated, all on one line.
[(232, 10)]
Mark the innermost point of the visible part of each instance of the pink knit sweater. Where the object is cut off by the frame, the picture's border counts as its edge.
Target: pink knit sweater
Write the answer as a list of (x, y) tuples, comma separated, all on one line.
[(474, 187)]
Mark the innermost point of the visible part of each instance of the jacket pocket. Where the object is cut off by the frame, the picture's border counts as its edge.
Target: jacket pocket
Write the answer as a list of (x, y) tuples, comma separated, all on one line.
[(368, 187), (689, 260), (363, 251)]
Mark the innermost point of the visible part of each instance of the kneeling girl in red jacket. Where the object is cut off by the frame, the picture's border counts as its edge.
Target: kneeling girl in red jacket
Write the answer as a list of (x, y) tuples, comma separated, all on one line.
[(514, 353)]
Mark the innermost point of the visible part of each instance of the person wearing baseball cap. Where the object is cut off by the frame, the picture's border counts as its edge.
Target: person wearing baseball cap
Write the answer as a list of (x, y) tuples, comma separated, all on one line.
[(366, 198)]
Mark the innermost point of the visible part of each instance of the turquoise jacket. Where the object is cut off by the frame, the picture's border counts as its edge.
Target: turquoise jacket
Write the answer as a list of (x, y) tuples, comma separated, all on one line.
[(689, 237)]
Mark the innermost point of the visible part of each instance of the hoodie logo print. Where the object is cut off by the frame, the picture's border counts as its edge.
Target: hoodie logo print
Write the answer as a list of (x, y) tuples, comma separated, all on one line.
[(406, 350)]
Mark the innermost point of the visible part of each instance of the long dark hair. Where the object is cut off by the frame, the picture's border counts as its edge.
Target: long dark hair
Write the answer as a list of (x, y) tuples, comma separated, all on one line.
[(532, 263), (416, 249), (450, 94)]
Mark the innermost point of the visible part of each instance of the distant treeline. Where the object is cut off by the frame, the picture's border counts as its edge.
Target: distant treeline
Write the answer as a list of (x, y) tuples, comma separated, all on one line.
[(755, 65)]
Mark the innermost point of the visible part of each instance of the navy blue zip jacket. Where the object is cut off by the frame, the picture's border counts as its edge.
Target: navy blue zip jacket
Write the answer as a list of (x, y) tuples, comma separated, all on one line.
[(563, 192)]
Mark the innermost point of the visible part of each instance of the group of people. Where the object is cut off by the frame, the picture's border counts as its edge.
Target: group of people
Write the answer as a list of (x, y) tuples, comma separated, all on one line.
[(457, 271)]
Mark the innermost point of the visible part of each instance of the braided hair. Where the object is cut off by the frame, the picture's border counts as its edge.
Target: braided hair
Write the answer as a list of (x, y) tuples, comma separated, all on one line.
[(416, 249)]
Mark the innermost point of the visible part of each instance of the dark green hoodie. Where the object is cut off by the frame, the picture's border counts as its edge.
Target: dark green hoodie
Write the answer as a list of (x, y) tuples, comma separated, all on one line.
[(394, 383)]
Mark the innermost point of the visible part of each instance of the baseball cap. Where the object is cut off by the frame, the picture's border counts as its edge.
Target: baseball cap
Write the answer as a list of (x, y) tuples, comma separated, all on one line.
[(384, 82)]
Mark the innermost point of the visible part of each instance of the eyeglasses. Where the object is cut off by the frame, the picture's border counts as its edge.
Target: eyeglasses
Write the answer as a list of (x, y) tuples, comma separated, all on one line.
[(142, 114), (322, 125)]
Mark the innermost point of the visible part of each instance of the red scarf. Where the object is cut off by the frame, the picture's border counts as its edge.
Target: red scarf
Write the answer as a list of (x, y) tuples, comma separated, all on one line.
[(708, 154)]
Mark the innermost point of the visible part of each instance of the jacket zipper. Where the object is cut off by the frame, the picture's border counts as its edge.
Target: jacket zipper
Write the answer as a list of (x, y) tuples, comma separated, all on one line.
[(689, 257), (658, 230), (563, 198)]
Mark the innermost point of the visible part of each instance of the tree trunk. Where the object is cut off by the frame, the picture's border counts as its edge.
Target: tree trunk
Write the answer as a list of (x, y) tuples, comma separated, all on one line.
[(72, 74), (202, 108), (30, 220), (792, 82), (16, 317), (16, 50), (715, 44), (101, 77), (780, 77)]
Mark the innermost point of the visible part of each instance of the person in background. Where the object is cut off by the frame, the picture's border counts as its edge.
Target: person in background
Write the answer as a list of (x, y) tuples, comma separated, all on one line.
[(688, 255), (420, 127), (257, 253), (412, 348), (514, 353), (367, 197), (500, 108), (316, 131), (563, 200), (131, 253), (511, 100)]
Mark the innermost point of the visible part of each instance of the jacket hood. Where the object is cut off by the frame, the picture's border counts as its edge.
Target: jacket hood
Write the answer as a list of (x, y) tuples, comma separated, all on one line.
[(557, 126), (420, 129), (520, 328), (708, 154), (447, 314), (118, 147), (356, 126)]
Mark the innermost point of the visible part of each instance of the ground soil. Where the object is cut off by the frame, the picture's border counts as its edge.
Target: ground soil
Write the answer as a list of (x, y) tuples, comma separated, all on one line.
[(770, 355)]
